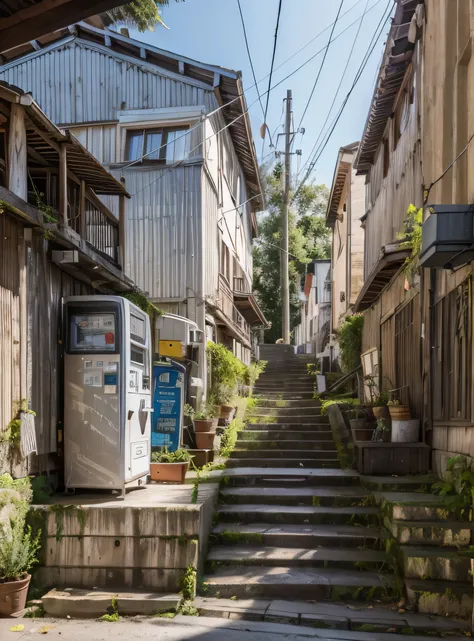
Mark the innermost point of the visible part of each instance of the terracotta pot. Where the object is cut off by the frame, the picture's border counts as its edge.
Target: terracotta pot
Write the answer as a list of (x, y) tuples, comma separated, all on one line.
[(205, 440), (13, 596), (399, 412), (358, 423), (205, 425), (226, 411), (381, 412), (362, 434), (171, 472)]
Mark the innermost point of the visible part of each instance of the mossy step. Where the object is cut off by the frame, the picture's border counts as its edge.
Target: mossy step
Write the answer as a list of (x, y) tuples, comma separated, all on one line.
[(289, 403), (443, 598), (310, 583), (305, 463), (444, 533), (308, 444), (445, 564), (323, 496), (286, 411), (273, 395), (404, 483), (297, 455), (303, 535), (304, 436), (296, 557), (294, 419), (283, 476), (254, 513), (321, 426), (417, 506)]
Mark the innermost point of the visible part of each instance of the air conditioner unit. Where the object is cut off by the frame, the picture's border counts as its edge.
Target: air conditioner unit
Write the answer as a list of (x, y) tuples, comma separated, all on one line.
[(447, 236)]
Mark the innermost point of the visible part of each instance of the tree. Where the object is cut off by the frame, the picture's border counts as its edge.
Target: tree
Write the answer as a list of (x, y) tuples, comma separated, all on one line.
[(307, 239), (141, 14)]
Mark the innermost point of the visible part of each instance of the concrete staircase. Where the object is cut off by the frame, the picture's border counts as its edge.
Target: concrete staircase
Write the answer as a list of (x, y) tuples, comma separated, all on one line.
[(293, 526), (289, 517)]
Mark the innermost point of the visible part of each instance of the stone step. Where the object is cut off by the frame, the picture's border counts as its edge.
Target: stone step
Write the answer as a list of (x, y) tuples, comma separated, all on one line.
[(84, 604), (285, 514), (296, 557), (447, 533), (417, 506), (262, 436), (282, 444), (285, 411), (298, 455), (272, 395), (295, 419), (296, 476), (290, 403), (330, 616), (314, 584), (444, 564), (294, 388), (445, 598), (296, 535), (321, 425), (315, 496), (313, 463), (283, 378), (407, 483)]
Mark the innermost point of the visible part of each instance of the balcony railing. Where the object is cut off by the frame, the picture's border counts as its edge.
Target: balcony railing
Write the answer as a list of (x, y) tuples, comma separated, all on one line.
[(241, 285), (226, 305), (240, 321)]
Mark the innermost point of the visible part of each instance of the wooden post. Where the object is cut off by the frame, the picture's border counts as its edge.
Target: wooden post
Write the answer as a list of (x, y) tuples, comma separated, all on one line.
[(122, 232), (17, 153), (63, 183), (82, 209)]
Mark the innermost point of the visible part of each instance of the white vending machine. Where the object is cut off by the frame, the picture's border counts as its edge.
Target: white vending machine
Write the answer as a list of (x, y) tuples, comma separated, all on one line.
[(107, 393)]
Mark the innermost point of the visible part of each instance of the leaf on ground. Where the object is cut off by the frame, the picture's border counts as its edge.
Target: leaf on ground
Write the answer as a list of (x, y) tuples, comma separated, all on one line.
[(45, 629), (17, 628)]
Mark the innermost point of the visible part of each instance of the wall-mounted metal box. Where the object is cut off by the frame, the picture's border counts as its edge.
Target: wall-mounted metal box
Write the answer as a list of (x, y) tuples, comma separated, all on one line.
[(448, 236)]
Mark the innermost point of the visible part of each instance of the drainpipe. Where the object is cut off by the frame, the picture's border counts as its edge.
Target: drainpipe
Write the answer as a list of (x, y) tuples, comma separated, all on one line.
[(432, 334)]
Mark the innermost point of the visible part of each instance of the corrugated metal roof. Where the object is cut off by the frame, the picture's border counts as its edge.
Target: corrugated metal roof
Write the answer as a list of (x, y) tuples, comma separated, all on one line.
[(395, 62)]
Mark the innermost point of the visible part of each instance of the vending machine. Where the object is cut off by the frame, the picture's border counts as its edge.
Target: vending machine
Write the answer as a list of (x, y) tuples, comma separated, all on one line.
[(107, 393), (168, 405)]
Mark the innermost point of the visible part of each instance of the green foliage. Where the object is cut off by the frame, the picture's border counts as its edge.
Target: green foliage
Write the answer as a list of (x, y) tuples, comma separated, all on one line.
[(350, 341), (458, 483), (12, 433), (142, 302), (252, 372), (42, 489), (18, 552), (112, 615), (307, 239), (411, 235), (163, 456), (142, 14), (207, 412), (226, 369), (344, 400), (187, 609), (229, 438), (188, 585)]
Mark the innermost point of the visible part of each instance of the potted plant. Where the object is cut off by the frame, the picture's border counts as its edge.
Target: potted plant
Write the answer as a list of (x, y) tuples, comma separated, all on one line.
[(397, 411), (18, 554), (222, 396), (205, 420), (382, 431), (359, 425), (379, 405), (169, 466)]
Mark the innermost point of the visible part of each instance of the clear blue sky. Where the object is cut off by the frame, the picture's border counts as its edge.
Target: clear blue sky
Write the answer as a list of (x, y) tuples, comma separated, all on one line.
[(211, 31)]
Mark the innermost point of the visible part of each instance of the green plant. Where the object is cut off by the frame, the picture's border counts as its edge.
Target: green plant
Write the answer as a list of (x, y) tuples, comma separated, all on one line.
[(411, 235), (226, 369), (141, 301), (12, 433), (458, 483), (253, 371), (229, 438), (112, 615), (350, 341), (380, 400), (188, 584), (381, 430), (207, 412), (164, 456), (18, 551)]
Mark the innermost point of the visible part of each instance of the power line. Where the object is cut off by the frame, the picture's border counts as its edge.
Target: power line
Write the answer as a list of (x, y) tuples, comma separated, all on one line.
[(340, 82), (252, 67), (322, 64), (362, 66), (271, 68), (218, 109)]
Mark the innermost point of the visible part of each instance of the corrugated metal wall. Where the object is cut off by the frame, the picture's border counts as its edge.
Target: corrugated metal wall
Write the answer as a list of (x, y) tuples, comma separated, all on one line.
[(163, 230), (211, 239), (61, 80)]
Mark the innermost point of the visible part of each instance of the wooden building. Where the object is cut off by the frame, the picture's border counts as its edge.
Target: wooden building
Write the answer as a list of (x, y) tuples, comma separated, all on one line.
[(389, 156), (57, 238), (346, 208), (143, 112)]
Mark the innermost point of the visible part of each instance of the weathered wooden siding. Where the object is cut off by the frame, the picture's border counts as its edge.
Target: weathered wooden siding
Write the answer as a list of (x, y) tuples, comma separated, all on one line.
[(212, 238), (388, 198)]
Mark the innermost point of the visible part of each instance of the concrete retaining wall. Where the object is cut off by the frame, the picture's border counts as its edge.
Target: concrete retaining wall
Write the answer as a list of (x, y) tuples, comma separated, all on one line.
[(134, 543)]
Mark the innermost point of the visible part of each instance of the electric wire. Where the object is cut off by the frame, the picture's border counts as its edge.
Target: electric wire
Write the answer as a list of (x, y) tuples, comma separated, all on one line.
[(270, 75)]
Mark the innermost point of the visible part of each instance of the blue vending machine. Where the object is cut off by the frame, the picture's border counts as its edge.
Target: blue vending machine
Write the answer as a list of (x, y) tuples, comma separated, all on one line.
[(168, 404)]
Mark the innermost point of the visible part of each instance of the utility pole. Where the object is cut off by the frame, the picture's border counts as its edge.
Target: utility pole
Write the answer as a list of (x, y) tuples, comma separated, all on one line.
[(285, 277)]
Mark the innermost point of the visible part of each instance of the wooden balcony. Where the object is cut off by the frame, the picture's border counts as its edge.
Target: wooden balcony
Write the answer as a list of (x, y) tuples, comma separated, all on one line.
[(229, 314)]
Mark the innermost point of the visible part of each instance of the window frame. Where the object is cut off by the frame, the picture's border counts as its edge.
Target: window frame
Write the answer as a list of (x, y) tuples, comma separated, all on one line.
[(145, 131)]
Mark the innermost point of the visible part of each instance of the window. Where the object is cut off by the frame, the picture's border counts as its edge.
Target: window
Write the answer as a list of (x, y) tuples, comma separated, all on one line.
[(92, 333), (165, 145)]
